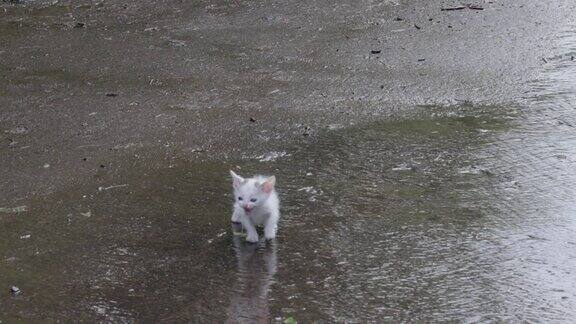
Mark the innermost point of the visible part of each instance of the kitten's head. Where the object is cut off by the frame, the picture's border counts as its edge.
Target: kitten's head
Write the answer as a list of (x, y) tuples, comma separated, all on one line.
[(251, 193)]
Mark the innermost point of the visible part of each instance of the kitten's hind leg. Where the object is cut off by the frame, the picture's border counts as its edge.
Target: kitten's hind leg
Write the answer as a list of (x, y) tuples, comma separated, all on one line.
[(271, 226)]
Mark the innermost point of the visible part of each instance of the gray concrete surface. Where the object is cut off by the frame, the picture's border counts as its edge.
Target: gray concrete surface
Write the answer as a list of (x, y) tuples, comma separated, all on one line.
[(424, 160), (190, 75)]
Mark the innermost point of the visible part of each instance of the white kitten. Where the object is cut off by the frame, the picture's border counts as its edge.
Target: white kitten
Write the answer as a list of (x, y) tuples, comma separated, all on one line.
[(256, 203)]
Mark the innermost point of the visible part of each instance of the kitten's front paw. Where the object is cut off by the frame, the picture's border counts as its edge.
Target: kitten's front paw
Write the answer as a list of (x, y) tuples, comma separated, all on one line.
[(270, 233), (252, 238)]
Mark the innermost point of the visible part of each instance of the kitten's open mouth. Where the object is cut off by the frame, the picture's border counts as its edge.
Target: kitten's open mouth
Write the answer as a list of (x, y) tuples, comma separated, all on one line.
[(248, 210)]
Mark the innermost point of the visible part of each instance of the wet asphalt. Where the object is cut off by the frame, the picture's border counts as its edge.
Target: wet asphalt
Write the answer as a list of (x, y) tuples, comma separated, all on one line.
[(424, 159)]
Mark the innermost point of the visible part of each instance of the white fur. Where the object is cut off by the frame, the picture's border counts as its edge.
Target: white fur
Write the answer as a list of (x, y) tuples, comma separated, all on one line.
[(263, 211)]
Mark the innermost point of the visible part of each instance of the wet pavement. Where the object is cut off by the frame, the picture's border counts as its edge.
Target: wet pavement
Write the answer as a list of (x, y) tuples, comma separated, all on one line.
[(433, 181)]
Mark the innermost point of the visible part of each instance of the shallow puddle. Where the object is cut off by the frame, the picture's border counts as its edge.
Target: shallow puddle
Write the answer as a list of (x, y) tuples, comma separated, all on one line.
[(418, 219), (461, 213)]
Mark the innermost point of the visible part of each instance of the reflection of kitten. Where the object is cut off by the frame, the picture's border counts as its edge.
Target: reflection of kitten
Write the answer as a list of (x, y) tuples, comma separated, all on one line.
[(257, 265), (256, 203)]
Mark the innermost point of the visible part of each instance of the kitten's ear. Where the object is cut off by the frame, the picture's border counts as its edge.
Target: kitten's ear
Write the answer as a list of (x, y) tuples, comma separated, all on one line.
[(236, 179), (268, 185)]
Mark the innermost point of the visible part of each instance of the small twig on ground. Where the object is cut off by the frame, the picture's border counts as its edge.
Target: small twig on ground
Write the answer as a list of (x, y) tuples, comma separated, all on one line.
[(112, 187), (453, 8)]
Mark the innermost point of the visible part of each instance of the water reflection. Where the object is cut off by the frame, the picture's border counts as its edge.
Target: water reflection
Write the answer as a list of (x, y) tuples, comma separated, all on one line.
[(463, 213), (465, 217), (257, 265)]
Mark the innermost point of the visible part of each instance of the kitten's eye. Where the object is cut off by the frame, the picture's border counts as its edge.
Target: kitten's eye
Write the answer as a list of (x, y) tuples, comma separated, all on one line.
[(240, 198), (253, 200)]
